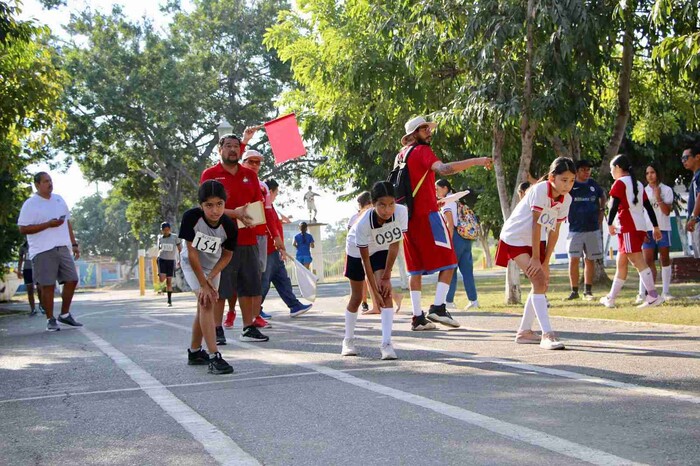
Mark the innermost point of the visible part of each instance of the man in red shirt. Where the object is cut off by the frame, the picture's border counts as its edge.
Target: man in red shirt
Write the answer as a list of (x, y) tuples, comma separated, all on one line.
[(428, 245), (242, 275)]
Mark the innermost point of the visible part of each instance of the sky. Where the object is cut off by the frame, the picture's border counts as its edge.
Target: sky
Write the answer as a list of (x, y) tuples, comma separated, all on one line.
[(71, 184)]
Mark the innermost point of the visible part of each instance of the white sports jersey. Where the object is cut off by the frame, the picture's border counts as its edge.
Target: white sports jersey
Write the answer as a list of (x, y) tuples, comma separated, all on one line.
[(630, 216), (452, 208), (667, 198), (368, 233), (517, 231)]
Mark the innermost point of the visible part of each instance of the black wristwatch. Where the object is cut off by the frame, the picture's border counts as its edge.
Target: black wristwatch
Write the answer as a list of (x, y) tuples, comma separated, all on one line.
[(75, 245)]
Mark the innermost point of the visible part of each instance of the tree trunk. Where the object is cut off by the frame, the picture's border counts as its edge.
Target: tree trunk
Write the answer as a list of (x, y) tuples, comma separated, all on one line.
[(623, 94), (528, 126), (512, 290), (484, 241)]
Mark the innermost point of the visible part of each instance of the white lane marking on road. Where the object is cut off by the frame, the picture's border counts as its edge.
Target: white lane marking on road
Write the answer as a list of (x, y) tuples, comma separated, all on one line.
[(505, 429), (195, 384), (216, 443), (638, 389)]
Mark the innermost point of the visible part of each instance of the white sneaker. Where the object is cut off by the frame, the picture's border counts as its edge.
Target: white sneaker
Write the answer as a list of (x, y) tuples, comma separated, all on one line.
[(388, 352), (607, 302), (667, 297), (472, 305), (639, 299), (651, 302), (551, 342), (451, 306), (348, 347)]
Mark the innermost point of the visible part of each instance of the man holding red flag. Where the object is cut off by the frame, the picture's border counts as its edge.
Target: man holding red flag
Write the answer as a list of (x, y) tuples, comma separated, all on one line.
[(242, 275)]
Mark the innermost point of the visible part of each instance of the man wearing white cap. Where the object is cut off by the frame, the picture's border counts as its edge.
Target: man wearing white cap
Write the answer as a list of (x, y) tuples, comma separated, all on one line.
[(253, 159), (427, 244)]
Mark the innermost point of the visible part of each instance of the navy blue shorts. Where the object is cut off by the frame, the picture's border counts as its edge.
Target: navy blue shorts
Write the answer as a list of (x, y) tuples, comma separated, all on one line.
[(355, 271), (651, 243)]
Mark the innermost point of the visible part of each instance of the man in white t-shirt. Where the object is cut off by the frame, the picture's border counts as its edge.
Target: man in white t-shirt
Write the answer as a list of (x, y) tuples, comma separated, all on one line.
[(45, 219)]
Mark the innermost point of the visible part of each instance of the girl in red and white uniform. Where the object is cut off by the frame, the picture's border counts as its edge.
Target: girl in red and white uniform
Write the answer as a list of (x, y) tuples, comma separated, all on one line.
[(535, 222), (626, 219)]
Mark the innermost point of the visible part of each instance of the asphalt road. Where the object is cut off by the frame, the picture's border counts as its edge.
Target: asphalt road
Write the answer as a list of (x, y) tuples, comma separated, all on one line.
[(119, 391)]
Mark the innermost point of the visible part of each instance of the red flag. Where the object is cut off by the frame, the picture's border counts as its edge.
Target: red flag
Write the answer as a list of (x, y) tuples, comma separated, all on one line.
[(285, 139)]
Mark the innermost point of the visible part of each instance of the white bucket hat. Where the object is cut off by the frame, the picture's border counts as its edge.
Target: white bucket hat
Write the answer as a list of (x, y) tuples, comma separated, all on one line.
[(251, 154), (413, 124)]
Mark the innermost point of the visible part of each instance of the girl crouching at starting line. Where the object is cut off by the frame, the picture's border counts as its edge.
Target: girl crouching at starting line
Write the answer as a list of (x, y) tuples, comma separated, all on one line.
[(529, 237), (371, 248), (211, 238)]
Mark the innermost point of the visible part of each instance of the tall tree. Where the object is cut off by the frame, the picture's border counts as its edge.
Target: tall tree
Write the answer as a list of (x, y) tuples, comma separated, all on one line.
[(144, 104), (30, 115)]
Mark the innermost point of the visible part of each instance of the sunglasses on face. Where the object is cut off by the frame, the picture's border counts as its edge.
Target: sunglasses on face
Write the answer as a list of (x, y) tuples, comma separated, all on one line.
[(685, 157), (253, 162)]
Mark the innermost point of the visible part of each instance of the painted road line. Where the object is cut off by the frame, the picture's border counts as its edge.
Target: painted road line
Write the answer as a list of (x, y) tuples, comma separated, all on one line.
[(505, 429), (196, 384), (637, 389), (216, 443)]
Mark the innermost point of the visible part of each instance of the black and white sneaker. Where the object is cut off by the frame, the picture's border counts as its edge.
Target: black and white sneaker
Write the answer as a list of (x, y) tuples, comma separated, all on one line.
[(419, 323), (440, 314), (217, 365), (197, 358), (220, 337), (69, 321), (33, 312), (252, 333), (52, 325)]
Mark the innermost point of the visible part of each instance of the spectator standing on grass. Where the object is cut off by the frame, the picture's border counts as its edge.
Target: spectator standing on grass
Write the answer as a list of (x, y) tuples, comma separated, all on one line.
[(462, 248), (691, 161), (585, 229)]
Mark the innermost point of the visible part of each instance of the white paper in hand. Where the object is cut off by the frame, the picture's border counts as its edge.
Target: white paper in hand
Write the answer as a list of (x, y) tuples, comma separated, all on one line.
[(455, 197), (306, 280), (256, 211)]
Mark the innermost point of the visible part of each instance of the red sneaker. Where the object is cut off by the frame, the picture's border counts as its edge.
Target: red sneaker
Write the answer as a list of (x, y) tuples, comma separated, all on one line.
[(230, 317), (259, 322)]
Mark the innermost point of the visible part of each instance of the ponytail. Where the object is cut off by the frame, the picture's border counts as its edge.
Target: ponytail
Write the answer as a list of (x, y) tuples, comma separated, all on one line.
[(624, 163)]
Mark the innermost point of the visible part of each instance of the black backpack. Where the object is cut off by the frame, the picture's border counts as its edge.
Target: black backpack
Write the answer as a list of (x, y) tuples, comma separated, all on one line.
[(402, 182)]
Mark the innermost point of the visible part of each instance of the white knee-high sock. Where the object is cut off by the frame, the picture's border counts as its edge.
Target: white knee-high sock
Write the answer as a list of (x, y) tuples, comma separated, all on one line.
[(666, 279), (539, 303), (350, 321), (648, 278), (415, 303), (617, 285), (642, 290), (441, 290), (387, 321), (528, 315)]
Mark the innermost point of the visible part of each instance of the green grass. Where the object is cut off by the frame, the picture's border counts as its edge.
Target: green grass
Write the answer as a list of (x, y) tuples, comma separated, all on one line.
[(492, 299)]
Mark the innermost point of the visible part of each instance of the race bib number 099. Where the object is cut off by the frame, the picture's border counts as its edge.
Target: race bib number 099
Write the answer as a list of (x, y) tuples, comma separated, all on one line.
[(386, 236), (206, 243)]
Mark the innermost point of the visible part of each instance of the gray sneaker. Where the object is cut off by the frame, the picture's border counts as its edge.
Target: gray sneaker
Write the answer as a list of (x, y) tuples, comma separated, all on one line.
[(52, 326), (69, 321)]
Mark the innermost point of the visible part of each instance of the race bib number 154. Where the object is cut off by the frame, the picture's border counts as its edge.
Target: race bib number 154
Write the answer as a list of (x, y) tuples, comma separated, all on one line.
[(206, 243)]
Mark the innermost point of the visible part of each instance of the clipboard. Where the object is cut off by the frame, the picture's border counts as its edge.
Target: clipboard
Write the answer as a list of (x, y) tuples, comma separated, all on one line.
[(256, 210), (455, 197)]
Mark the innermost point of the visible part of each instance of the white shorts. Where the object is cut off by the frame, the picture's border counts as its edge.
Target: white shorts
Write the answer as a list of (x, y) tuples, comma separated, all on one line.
[(191, 278)]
